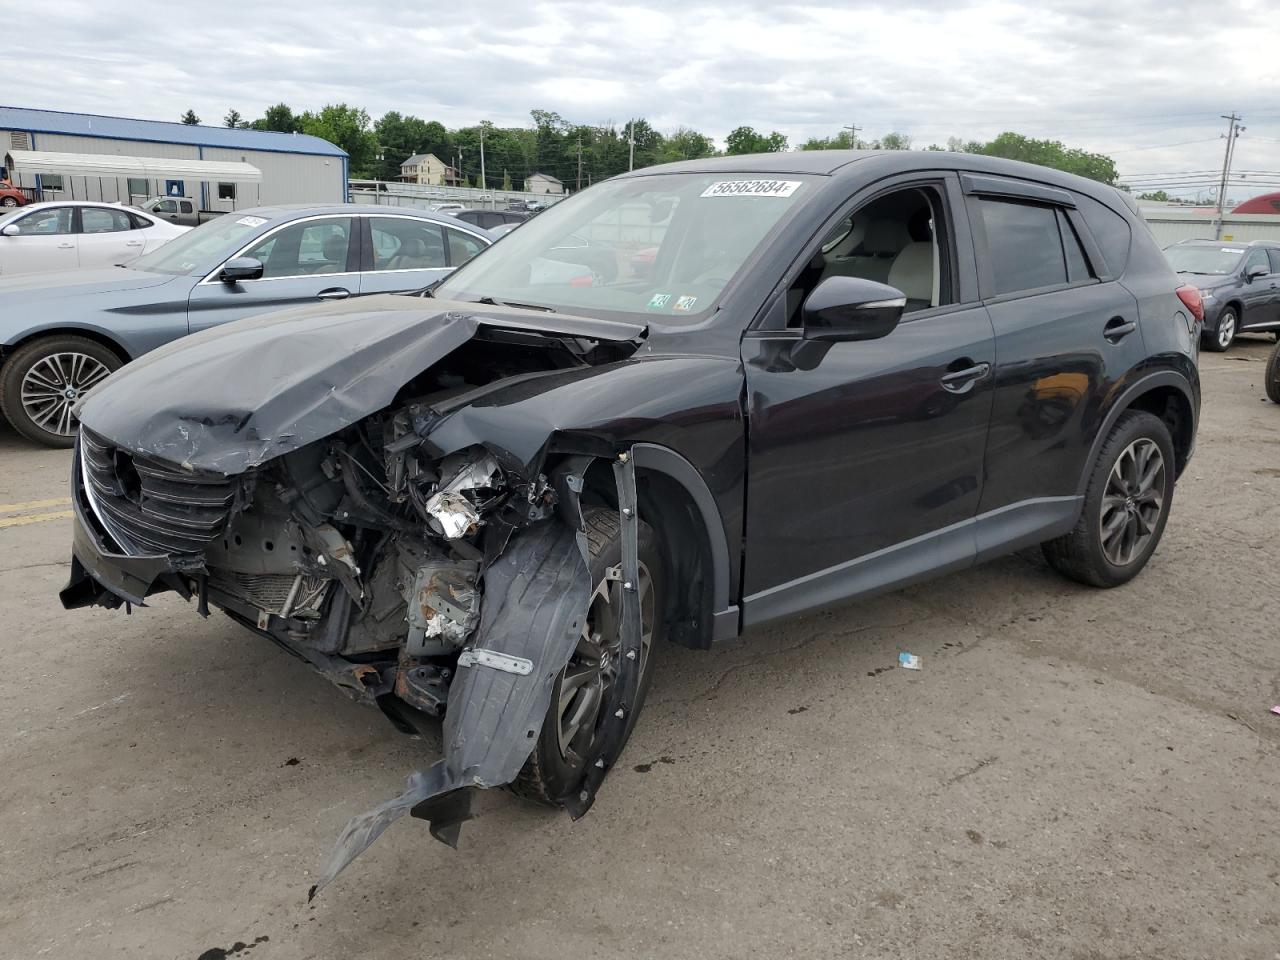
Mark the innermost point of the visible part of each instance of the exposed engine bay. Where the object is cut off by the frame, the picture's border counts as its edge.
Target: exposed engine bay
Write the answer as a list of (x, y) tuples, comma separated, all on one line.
[(445, 581)]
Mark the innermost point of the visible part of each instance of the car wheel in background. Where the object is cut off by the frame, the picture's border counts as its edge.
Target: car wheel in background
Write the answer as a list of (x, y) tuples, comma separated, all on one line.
[(42, 381), (1125, 507), (9, 202), (1221, 338), (1272, 376), (575, 721)]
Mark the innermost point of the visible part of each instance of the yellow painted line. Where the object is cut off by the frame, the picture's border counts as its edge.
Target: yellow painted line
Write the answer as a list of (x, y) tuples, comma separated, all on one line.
[(34, 518), (34, 505)]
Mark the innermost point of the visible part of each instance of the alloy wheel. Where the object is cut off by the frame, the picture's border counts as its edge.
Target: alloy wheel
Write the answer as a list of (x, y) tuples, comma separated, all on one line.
[(52, 386), (1226, 329), (1132, 502), (9, 202), (596, 663)]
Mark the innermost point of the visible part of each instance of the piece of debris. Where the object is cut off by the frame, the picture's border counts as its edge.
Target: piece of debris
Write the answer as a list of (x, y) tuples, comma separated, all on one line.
[(291, 762), (1276, 710), (909, 661)]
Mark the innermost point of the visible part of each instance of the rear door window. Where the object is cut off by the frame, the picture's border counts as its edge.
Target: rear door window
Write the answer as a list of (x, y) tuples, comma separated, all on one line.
[(402, 244), (462, 247), (98, 220), (1077, 264), (1024, 245)]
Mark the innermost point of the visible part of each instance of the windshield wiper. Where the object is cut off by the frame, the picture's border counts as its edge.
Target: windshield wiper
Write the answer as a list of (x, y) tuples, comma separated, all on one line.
[(491, 302)]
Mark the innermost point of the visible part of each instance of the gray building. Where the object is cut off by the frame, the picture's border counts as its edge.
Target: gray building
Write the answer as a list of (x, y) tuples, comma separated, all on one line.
[(83, 156)]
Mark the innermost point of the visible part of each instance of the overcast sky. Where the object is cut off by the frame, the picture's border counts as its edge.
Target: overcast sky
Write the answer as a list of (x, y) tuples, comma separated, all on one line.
[(1144, 81)]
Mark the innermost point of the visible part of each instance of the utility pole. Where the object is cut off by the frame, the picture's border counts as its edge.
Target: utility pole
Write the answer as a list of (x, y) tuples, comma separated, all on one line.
[(1233, 132), (579, 187), (631, 143), (484, 183), (853, 129)]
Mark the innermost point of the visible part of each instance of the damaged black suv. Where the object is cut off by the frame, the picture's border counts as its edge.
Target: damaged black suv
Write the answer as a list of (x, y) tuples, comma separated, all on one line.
[(803, 378)]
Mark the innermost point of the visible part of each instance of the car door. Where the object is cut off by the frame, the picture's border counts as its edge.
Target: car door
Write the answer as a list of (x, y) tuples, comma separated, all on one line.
[(1273, 282), (1067, 335), (107, 237), (1257, 293), (166, 210), (45, 239), (403, 253), (865, 458), (304, 261)]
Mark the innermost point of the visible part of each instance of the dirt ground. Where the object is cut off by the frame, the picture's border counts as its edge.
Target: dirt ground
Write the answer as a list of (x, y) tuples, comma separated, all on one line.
[(1074, 773)]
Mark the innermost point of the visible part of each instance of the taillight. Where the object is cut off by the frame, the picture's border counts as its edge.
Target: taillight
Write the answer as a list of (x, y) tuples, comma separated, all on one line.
[(1190, 296)]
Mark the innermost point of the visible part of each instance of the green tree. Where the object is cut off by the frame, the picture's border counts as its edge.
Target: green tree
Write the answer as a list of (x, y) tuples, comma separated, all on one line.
[(1048, 153), (894, 141), (686, 144), (747, 140), (190, 118), (844, 140), (348, 128), (1159, 196), (233, 120), (279, 118)]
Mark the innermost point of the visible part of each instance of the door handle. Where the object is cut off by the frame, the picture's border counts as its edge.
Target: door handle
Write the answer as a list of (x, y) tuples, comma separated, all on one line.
[(1117, 329), (334, 293), (962, 381), (66, 246), (133, 243)]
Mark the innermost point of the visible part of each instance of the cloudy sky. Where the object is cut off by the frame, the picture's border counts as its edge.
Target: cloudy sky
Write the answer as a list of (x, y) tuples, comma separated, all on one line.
[(1144, 81)]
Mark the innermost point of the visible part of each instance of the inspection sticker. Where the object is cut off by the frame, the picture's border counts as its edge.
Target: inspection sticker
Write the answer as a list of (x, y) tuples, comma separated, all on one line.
[(659, 300), (752, 188), (251, 221), (685, 304)]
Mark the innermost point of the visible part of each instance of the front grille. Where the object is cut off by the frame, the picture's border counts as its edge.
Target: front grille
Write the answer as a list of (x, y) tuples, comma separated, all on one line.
[(150, 506)]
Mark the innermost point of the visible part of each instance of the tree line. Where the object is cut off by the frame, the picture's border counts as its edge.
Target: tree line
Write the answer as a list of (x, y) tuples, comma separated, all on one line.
[(581, 154)]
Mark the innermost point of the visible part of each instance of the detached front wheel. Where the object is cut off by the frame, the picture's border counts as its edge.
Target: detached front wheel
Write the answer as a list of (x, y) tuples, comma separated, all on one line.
[(44, 379), (1272, 376), (573, 728)]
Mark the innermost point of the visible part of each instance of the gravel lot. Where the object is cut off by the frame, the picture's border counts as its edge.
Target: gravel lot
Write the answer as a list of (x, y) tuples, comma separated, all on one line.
[(1074, 773)]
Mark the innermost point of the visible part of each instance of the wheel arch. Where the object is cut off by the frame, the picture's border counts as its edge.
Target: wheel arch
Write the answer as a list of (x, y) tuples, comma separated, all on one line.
[(88, 333), (1164, 394), (676, 501)]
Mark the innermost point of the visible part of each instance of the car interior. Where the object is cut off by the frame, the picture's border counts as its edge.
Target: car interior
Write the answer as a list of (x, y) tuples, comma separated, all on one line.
[(892, 240)]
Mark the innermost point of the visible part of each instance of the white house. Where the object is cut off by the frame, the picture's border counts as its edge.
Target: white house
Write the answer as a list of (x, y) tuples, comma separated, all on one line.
[(543, 183)]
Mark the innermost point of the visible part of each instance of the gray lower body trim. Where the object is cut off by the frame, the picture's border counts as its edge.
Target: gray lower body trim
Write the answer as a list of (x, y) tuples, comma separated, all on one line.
[(955, 547)]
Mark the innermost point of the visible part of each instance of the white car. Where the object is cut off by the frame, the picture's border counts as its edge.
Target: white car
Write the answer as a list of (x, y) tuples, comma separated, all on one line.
[(77, 233)]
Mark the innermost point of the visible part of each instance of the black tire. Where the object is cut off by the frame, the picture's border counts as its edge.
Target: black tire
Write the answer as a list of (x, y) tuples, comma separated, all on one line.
[(1272, 375), (548, 774), (1224, 334), (47, 350), (9, 202), (1081, 554)]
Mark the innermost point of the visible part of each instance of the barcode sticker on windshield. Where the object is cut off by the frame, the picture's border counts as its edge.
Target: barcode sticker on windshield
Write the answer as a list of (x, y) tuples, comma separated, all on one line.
[(752, 188), (251, 221)]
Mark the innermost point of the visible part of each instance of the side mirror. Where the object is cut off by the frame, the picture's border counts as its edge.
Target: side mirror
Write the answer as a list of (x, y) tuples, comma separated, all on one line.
[(851, 308), (12, 230), (1253, 273), (241, 268)]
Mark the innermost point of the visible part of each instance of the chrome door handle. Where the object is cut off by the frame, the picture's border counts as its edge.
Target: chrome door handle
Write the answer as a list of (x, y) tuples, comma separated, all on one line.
[(960, 381), (334, 293), (133, 243), (1117, 329), (66, 246)]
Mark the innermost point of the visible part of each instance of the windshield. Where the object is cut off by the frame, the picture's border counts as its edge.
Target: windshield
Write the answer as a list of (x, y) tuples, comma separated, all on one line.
[(201, 249), (1216, 261), (664, 245)]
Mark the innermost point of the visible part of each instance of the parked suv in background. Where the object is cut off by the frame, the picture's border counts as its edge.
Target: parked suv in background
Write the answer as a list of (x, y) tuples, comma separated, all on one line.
[(1239, 283), (839, 373)]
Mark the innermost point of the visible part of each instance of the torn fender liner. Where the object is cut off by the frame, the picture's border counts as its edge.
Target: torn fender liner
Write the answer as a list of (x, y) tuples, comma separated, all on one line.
[(272, 384), (535, 598)]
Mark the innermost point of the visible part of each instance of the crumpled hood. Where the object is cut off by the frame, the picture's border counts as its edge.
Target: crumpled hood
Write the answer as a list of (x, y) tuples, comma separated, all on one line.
[(235, 396), (26, 288)]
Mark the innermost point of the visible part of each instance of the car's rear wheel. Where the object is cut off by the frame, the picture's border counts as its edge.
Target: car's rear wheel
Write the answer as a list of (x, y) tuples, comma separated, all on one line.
[(575, 721), (1126, 505), (42, 381), (1272, 376), (9, 202), (1222, 337)]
